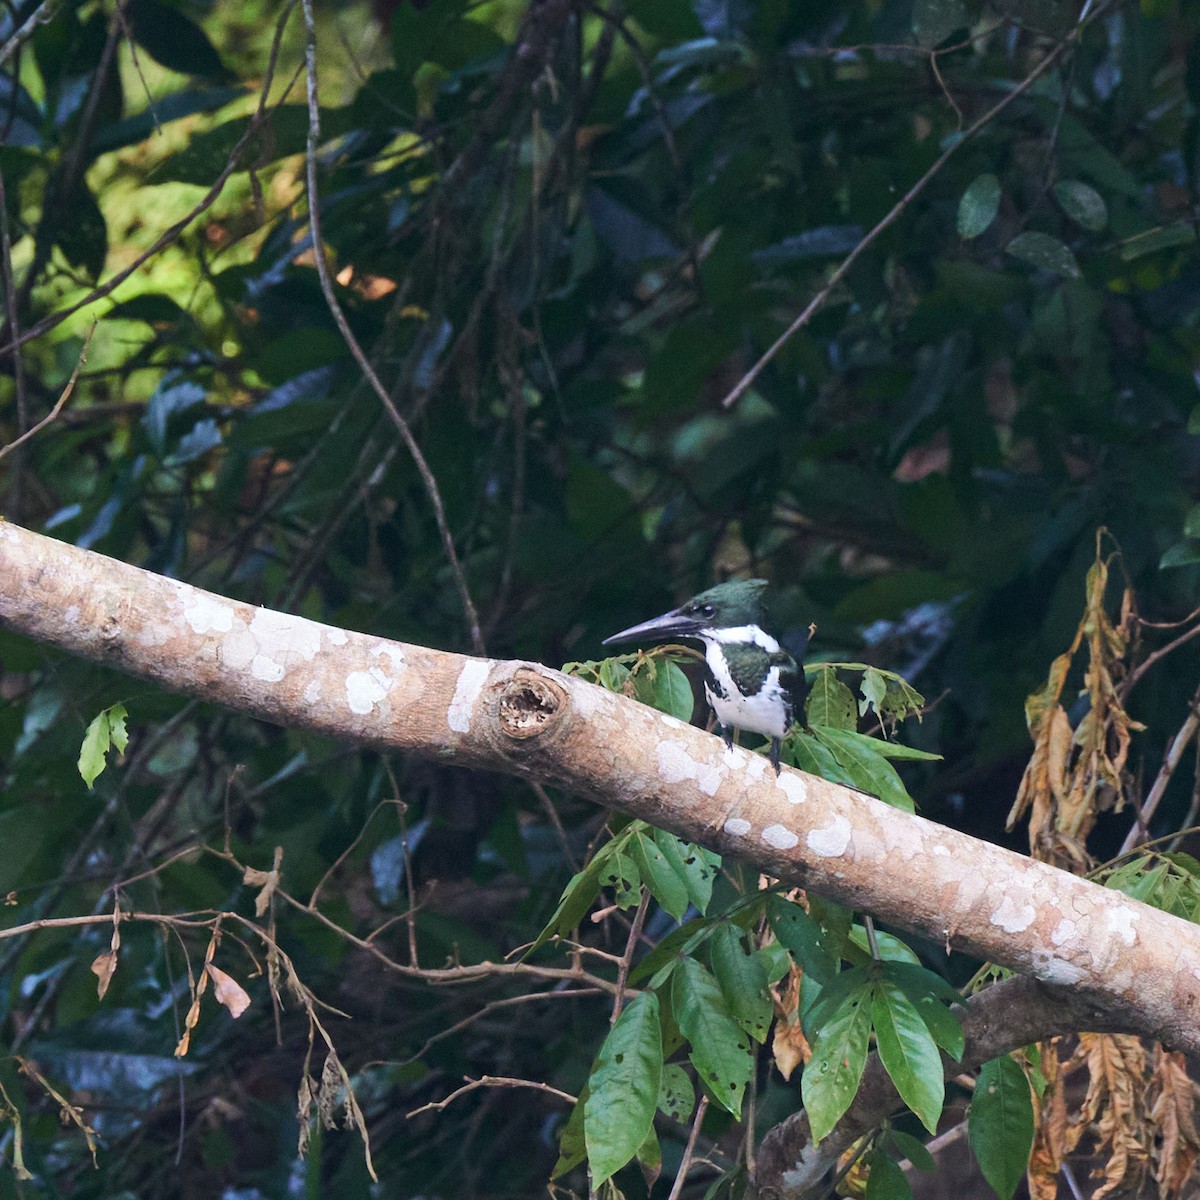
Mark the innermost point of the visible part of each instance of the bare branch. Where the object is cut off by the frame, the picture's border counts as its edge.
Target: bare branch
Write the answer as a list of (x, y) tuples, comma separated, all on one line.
[(493, 1081)]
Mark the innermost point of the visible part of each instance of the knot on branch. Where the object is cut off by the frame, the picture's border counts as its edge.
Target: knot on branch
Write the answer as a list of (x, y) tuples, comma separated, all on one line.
[(528, 706)]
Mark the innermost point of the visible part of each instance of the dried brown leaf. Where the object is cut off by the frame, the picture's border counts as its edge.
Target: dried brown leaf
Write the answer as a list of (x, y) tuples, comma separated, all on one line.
[(1050, 1127), (266, 881), (1114, 1109), (104, 966), (1172, 1114), (228, 991)]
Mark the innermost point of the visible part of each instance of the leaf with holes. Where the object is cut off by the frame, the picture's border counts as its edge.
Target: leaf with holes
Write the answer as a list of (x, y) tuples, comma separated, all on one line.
[(742, 979), (720, 1050), (831, 1077), (623, 1089)]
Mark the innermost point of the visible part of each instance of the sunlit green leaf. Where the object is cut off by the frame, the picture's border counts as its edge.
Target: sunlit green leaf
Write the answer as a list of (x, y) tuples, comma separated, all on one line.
[(106, 730)]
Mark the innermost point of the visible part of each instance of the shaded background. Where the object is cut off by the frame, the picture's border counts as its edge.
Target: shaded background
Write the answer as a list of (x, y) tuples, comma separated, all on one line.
[(560, 263)]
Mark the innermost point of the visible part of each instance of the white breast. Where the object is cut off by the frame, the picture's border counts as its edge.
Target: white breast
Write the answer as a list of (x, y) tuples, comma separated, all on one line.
[(764, 713)]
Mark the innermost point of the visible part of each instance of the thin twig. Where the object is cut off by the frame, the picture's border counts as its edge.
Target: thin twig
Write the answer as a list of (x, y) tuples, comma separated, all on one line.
[(12, 316), (686, 1163), (1187, 731), (41, 15), (818, 301), (490, 1081), (52, 415), (1136, 675), (339, 317), (1189, 820), (491, 1007), (635, 932)]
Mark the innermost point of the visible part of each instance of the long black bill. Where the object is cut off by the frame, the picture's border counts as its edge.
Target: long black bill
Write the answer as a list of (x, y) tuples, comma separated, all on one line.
[(670, 625)]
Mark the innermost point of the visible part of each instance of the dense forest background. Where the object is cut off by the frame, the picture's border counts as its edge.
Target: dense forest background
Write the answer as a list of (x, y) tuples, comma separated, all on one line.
[(470, 353)]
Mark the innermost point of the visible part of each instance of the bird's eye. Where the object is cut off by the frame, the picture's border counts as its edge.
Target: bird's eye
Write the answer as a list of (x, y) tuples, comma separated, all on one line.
[(707, 610)]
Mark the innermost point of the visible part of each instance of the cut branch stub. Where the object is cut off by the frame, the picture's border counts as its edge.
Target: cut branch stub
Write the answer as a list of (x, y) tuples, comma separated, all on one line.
[(531, 707)]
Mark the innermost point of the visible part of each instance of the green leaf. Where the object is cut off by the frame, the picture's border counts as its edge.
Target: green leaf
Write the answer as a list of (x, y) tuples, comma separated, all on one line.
[(979, 205), (931, 995), (800, 934), (1191, 523), (742, 978), (908, 1053), (696, 866), (1182, 554), (578, 896), (865, 766), (671, 691), (1179, 233), (83, 235), (622, 875), (831, 1077), (1000, 1124), (874, 692), (659, 874), (1082, 203), (172, 39), (676, 1096), (891, 948), (720, 1050), (623, 1089), (886, 1180), (913, 1149), (106, 730), (1048, 253), (572, 1149), (830, 701)]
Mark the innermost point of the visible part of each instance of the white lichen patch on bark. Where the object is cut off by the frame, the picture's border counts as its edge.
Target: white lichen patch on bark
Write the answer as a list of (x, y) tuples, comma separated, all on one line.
[(737, 826), (364, 689), (671, 722), (466, 691), (1013, 917), (266, 669), (1120, 922), (780, 837), (675, 765), (831, 840), (1065, 932), (793, 787), (204, 614), (282, 635), (312, 692)]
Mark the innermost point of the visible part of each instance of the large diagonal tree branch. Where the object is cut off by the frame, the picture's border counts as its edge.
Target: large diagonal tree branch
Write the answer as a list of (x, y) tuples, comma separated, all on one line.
[(1121, 963)]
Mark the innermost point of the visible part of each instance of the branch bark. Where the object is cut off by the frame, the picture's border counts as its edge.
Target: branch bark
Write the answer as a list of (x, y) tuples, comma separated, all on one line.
[(1124, 964)]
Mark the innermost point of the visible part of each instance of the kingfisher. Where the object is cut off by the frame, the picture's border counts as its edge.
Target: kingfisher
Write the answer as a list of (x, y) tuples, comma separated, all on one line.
[(752, 682)]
